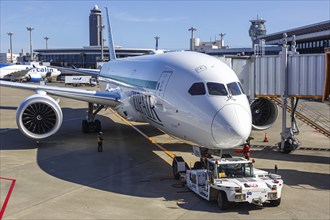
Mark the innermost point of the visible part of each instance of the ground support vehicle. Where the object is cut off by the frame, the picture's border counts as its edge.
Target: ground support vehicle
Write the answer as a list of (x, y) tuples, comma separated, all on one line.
[(80, 81), (229, 180)]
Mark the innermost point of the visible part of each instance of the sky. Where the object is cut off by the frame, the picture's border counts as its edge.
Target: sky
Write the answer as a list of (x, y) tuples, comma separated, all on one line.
[(136, 23)]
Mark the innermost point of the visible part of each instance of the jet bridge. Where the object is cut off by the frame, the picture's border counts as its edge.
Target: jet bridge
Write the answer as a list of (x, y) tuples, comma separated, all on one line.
[(289, 75), (301, 76)]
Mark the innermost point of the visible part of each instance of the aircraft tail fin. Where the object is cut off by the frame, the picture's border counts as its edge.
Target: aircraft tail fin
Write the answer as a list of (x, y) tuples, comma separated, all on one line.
[(112, 52)]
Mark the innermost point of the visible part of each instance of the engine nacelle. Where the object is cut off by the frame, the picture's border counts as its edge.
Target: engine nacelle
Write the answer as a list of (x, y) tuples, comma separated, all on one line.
[(264, 113), (39, 116), (33, 77)]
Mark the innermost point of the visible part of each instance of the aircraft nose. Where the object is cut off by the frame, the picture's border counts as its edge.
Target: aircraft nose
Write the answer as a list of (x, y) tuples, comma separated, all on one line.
[(231, 126)]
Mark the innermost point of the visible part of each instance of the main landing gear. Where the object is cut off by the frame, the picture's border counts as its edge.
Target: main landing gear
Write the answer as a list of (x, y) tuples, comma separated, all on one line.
[(92, 124)]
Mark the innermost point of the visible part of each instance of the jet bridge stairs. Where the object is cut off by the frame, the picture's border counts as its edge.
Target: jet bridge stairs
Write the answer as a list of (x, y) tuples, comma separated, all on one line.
[(310, 116)]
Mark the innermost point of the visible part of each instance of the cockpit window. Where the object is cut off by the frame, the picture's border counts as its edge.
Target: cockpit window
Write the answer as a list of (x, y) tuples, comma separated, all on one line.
[(217, 89), (234, 88), (240, 85), (197, 89)]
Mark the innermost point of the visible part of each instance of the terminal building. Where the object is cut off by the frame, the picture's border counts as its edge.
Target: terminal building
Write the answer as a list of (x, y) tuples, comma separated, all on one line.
[(314, 38), (256, 31), (86, 57), (9, 58)]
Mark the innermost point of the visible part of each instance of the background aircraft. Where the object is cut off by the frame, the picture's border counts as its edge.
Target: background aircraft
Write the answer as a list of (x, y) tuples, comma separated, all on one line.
[(30, 73)]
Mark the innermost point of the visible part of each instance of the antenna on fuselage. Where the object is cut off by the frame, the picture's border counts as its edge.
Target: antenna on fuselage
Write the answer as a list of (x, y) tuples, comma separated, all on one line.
[(112, 52)]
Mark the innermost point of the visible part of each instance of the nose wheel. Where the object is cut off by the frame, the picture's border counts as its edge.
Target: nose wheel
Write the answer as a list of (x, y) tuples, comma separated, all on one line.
[(91, 124)]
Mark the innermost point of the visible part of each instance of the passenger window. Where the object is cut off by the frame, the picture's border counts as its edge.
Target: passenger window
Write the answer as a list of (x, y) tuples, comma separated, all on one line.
[(197, 89), (217, 89), (234, 88)]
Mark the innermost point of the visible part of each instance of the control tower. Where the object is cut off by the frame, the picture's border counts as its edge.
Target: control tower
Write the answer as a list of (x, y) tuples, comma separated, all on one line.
[(257, 29), (95, 27)]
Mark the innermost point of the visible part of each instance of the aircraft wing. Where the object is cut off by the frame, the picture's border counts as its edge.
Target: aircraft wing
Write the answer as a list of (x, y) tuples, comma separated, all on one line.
[(17, 74), (96, 72), (91, 72), (111, 98)]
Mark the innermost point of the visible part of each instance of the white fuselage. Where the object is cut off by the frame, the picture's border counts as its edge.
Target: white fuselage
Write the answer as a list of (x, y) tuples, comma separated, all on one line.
[(190, 95)]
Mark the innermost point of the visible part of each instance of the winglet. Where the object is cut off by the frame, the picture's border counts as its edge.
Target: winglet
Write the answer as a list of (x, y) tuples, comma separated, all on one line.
[(112, 52)]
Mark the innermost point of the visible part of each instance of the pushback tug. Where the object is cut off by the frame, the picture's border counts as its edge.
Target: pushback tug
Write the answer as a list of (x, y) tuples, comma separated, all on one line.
[(229, 180)]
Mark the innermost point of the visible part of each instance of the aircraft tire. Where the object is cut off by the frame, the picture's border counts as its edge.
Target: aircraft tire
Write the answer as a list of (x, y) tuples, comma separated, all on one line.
[(175, 169), (98, 126), (85, 126)]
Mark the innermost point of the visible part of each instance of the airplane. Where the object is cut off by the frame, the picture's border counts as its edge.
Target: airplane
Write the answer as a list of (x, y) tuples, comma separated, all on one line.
[(29, 73), (192, 96)]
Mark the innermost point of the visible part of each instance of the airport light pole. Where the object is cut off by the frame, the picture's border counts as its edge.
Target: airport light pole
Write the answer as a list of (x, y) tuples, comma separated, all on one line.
[(10, 34), (192, 43), (157, 38), (30, 29), (46, 38)]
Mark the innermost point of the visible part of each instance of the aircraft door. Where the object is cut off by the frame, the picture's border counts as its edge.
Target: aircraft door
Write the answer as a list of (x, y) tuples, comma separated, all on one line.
[(161, 86)]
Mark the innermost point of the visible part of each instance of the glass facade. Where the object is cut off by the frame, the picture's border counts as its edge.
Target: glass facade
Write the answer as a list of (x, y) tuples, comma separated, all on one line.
[(84, 57), (317, 46)]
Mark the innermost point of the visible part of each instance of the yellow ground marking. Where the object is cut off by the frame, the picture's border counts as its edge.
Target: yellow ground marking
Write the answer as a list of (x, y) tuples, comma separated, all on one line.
[(169, 153)]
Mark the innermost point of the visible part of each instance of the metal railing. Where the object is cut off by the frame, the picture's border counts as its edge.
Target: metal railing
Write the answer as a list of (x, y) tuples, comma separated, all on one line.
[(310, 116)]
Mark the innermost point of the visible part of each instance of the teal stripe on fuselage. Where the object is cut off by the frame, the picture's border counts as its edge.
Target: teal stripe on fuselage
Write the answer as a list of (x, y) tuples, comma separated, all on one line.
[(136, 82)]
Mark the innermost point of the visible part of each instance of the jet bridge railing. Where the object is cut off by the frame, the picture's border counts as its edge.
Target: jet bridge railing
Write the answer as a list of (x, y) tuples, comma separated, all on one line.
[(309, 116), (315, 116)]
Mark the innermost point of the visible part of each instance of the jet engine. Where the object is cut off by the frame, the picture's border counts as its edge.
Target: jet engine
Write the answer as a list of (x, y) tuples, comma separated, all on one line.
[(264, 113), (33, 77), (39, 116)]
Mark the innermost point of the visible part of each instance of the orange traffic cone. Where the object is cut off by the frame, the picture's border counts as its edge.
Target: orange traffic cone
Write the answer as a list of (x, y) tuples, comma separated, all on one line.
[(266, 138)]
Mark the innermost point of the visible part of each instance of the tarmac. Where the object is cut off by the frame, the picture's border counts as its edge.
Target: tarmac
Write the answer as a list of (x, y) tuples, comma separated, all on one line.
[(64, 177)]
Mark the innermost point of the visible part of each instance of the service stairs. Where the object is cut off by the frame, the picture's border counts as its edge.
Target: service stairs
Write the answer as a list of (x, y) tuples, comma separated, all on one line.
[(310, 116)]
